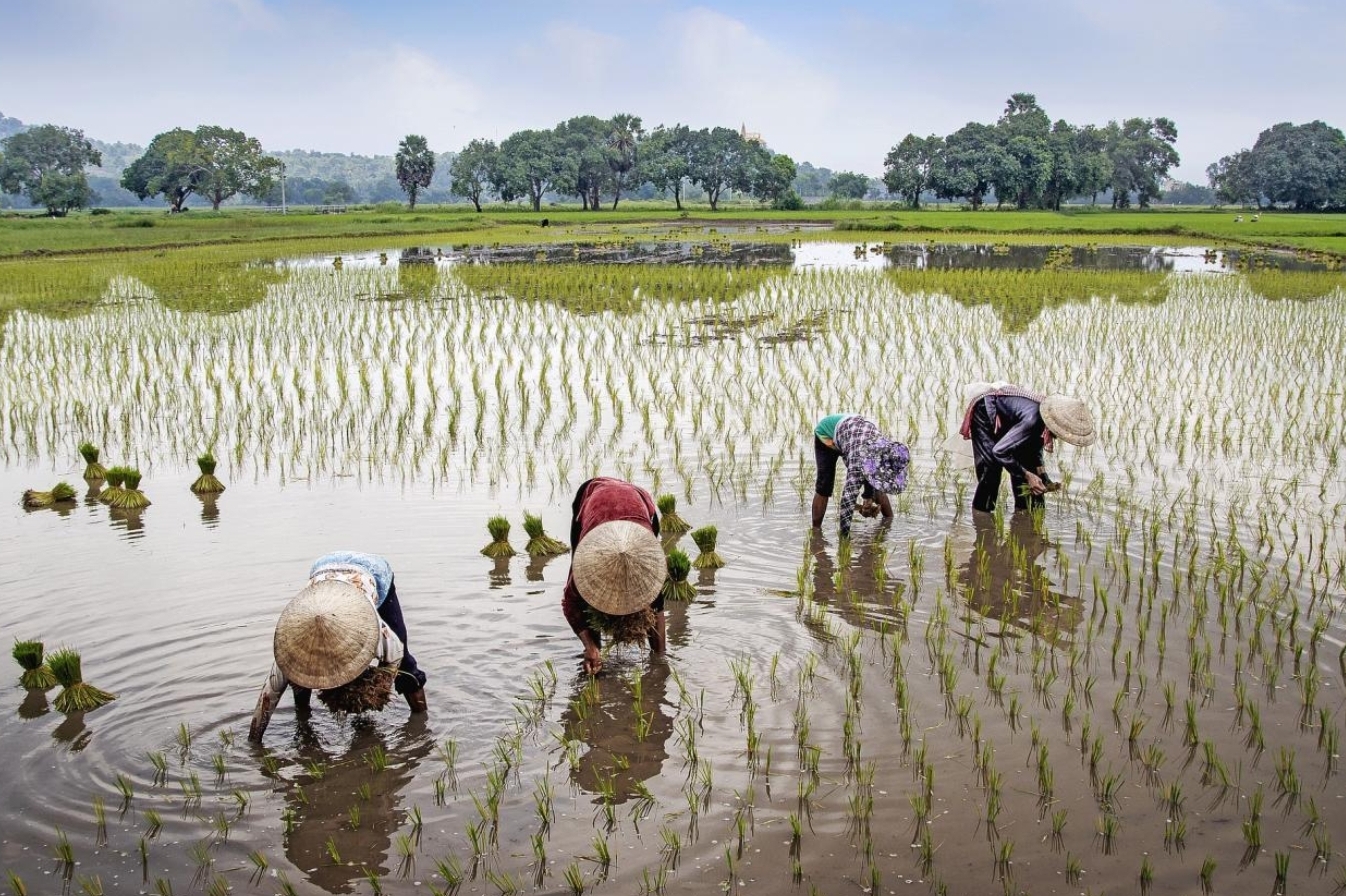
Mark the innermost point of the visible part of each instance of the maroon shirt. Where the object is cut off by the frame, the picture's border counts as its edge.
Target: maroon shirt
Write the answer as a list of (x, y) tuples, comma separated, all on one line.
[(603, 500)]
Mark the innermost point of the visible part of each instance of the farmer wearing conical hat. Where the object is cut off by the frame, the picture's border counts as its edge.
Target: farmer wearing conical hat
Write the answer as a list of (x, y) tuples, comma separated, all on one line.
[(876, 467), (618, 565), (342, 632), (1010, 427)]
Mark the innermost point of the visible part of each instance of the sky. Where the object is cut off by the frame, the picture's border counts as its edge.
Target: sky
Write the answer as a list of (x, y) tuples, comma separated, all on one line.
[(837, 84)]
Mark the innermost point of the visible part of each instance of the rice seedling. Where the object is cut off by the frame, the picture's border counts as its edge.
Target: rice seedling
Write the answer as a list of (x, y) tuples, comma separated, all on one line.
[(65, 853), (676, 587), (705, 538), (61, 493), (16, 885), (1207, 876), (92, 885), (76, 694), (36, 675), (574, 879), (207, 483), (540, 544)]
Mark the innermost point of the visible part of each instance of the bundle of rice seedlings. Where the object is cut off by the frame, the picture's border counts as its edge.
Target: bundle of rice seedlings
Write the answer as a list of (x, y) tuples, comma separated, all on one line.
[(368, 693), (76, 694), (116, 480), (669, 521), (676, 586), (540, 544), (60, 493), (36, 674), (705, 542), (498, 526), (632, 628), (206, 483), (131, 497), (93, 469)]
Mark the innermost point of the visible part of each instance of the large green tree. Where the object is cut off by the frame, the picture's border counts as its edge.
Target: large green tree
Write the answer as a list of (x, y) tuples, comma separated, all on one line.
[(1300, 165), (972, 158), (665, 160), (1234, 179), (473, 169), (1024, 166), (232, 163), (415, 166), (214, 162), (1140, 151), (720, 160), (46, 164), (848, 185), (529, 166), (582, 158), (909, 168)]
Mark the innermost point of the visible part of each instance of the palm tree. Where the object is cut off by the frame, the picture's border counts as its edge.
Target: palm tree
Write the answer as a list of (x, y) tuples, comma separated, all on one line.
[(623, 141)]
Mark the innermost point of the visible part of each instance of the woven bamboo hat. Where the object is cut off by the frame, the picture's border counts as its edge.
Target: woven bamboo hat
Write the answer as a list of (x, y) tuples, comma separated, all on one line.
[(619, 567), (1068, 419), (326, 635)]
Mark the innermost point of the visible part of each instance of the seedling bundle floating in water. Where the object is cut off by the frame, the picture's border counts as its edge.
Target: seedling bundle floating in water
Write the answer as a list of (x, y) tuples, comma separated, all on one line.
[(499, 547), (129, 497), (669, 521), (60, 493), (206, 483), (116, 482), (705, 543), (676, 586), (540, 544), (36, 674), (76, 695), (93, 470)]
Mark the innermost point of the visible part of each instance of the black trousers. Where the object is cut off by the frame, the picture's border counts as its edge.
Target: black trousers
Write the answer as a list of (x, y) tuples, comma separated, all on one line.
[(989, 470), (826, 458)]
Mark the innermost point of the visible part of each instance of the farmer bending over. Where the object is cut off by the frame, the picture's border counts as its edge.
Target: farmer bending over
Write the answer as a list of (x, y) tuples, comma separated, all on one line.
[(1010, 428), (876, 467), (344, 635), (617, 569)]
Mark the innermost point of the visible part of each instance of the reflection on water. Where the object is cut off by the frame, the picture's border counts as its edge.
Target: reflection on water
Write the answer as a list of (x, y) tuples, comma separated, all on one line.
[(856, 586), (340, 822), (1150, 259), (72, 733), (624, 720), (1003, 579), (34, 705), (210, 510)]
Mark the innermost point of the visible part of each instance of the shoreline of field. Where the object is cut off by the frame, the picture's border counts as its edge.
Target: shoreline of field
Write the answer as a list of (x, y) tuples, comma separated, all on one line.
[(39, 237)]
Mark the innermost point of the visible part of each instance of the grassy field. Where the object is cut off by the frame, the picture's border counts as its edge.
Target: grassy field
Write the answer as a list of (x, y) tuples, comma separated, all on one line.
[(29, 235)]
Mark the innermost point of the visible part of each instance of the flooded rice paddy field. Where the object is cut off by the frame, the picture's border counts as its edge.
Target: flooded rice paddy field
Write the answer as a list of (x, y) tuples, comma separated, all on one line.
[(1139, 692)]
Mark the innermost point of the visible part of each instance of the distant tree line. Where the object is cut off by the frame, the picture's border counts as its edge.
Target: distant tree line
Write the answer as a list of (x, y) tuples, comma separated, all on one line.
[(1302, 166), (1023, 159), (1029, 161), (597, 160)]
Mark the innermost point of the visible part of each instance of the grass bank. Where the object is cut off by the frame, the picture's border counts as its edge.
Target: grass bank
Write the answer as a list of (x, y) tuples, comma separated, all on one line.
[(26, 235)]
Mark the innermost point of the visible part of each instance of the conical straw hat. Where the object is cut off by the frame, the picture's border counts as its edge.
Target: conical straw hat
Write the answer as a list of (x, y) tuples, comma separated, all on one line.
[(619, 567), (326, 635), (1069, 419)]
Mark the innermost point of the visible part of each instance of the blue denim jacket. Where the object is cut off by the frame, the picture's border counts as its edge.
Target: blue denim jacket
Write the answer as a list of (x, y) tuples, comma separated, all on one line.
[(373, 564)]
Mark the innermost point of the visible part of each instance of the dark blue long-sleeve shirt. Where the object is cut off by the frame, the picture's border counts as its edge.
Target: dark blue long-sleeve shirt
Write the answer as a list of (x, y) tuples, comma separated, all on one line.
[(1019, 440)]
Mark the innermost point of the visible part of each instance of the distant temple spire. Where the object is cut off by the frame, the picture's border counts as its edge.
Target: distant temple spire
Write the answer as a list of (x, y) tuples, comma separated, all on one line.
[(749, 136)]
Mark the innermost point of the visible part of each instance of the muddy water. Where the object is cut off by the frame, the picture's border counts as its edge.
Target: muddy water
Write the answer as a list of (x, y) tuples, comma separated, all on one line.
[(898, 698)]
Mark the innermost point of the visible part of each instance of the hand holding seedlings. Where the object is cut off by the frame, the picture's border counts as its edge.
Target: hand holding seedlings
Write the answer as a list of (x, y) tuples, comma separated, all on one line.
[(343, 635)]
